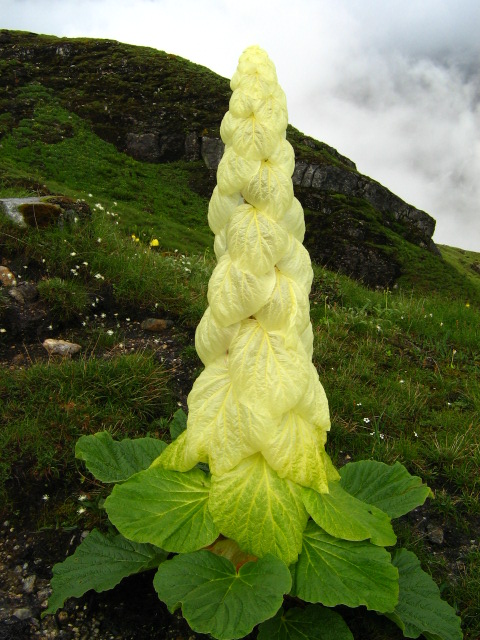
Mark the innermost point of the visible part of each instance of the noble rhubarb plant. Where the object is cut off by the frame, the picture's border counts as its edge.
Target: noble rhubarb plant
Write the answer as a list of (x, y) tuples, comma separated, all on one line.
[(243, 514)]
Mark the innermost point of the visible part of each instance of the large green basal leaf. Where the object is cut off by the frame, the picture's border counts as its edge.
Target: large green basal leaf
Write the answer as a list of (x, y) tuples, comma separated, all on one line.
[(165, 508), (260, 511), (215, 598), (420, 608), (110, 460), (343, 516), (99, 563), (312, 623), (333, 572), (389, 488)]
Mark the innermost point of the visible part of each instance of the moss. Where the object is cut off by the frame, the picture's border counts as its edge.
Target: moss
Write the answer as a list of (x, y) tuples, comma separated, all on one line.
[(40, 214)]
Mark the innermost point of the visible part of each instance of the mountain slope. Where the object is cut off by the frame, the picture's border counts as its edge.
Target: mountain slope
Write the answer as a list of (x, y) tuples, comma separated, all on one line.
[(74, 112)]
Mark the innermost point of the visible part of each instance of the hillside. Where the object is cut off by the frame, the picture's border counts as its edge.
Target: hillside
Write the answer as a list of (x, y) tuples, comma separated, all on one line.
[(78, 112)]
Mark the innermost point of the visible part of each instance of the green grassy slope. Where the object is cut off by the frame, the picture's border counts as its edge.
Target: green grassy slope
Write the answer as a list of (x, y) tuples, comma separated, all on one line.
[(467, 263), (56, 151)]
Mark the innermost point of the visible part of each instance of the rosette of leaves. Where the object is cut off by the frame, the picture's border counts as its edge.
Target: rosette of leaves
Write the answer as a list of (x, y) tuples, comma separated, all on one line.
[(245, 495)]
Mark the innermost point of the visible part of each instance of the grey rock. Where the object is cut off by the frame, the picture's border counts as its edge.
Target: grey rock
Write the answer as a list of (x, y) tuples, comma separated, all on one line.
[(143, 146), (42, 211), (44, 594), (475, 266), (22, 316), (171, 146), (9, 207), (29, 583), (61, 347), (24, 613), (212, 152), (28, 291), (155, 147), (435, 534), (16, 295), (192, 146)]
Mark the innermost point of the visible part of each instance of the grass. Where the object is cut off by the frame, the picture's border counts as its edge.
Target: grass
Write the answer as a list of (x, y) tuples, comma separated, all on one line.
[(140, 196), (466, 262), (66, 298), (401, 374), (93, 260), (47, 407)]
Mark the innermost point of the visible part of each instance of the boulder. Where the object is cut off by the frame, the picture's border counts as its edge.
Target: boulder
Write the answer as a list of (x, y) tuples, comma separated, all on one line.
[(44, 211), (24, 293)]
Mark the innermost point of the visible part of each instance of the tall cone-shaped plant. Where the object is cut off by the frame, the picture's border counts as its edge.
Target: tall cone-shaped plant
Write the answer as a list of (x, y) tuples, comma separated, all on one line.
[(258, 415)]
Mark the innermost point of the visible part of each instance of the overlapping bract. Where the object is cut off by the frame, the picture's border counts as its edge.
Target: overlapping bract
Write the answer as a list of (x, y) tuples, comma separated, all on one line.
[(258, 415)]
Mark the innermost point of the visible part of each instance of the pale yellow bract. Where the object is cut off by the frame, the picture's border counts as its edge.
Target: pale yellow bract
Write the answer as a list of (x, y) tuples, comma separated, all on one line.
[(258, 415)]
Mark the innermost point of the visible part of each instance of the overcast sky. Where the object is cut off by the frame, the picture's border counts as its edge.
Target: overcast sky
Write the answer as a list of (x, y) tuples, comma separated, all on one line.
[(392, 84)]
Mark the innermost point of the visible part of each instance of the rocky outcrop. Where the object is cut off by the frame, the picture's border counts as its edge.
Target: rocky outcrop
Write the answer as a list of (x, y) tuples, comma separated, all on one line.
[(419, 226), (339, 238), (155, 147), (475, 266)]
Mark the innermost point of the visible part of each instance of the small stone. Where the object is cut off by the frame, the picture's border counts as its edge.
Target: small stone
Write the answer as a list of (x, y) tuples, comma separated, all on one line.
[(62, 616), (435, 534), (23, 614), (18, 359), (29, 583), (44, 594), (28, 290), (7, 279), (61, 347), (16, 295), (155, 325)]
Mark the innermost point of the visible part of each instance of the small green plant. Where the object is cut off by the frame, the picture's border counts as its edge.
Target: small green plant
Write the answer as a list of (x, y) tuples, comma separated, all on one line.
[(66, 298), (245, 495)]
